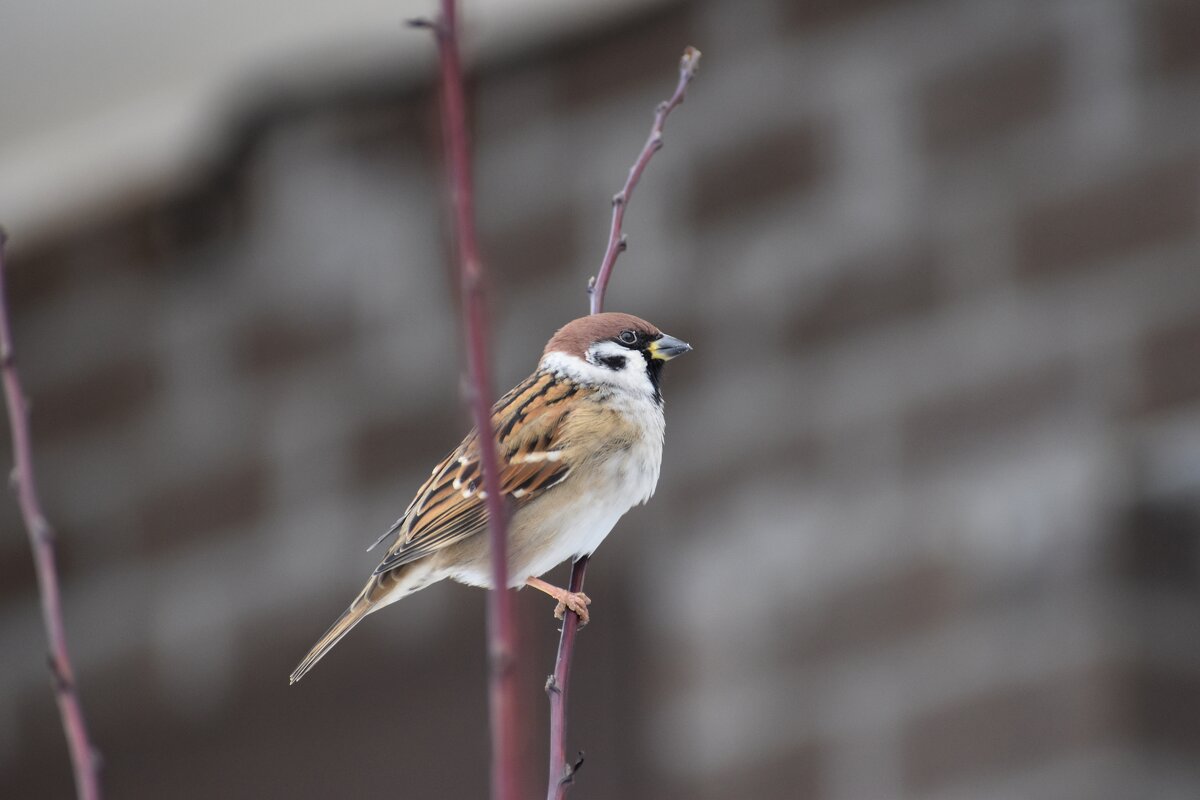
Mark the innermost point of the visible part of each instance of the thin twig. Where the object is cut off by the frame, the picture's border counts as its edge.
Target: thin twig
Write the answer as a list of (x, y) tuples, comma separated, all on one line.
[(505, 725), (561, 772), (84, 760), (688, 65)]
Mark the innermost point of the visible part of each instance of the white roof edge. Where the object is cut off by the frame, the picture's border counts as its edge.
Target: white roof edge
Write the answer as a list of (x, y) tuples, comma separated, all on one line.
[(67, 174)]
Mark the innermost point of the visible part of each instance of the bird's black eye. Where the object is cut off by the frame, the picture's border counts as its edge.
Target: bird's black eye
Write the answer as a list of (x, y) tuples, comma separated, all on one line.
[(628, 337)]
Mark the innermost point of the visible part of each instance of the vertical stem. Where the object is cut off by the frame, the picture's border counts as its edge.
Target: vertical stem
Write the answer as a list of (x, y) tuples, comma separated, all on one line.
[(505, 727), (41, 540), (561, 772)]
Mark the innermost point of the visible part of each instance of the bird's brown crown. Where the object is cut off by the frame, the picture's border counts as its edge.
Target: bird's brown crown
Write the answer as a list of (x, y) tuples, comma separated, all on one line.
[(577, 336)]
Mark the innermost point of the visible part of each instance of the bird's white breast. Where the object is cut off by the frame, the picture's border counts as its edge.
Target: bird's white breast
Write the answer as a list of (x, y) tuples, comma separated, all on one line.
[(625, 479), (615, 483)]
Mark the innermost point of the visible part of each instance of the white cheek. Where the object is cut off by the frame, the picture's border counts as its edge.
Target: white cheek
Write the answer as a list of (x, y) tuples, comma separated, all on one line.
[(634, 375), (631, 378)]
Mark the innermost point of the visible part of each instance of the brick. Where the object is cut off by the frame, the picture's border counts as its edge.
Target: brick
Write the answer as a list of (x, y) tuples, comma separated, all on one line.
[(794, 450), (1167, 366), (800, 772), (510, 96), (639, 52), (1109, 220), (861, 296), (132, 718), (18, 578), (1009, 728), (1171, 30), (379, 120), (1162, 705), (42, 767), (118, 244), (975, 417), (307, 762), (540, 246), (383, 448), (277, 340), (95, 398), (38, 277), (1158, 547), (233, 496), (815, 16), (739, 180), (133, 240), (990, 96), (197, 215), (877, 612)]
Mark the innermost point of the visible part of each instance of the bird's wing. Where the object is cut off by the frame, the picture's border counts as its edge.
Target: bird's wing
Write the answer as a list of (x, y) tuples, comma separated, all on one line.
[(531, 447)]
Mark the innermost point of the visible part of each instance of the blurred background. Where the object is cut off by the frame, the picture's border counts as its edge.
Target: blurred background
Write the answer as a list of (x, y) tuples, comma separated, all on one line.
[(927, 523)]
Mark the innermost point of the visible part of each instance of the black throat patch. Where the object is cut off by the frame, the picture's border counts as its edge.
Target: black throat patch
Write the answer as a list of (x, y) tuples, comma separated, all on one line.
[(654, 369)]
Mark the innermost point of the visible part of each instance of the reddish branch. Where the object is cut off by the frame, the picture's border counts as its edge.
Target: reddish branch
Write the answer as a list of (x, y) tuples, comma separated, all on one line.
[(41, 540), (616, 239), (506, 780), (561, 772)]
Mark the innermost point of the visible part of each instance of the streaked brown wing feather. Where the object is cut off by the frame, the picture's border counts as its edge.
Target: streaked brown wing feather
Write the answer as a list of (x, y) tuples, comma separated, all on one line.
[(450, 506)]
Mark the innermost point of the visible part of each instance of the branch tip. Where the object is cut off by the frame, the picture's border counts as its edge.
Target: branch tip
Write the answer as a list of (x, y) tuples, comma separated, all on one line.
[(689, 64)]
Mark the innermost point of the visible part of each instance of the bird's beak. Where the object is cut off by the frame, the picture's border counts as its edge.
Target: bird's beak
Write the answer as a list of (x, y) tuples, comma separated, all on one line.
[(664, 348)]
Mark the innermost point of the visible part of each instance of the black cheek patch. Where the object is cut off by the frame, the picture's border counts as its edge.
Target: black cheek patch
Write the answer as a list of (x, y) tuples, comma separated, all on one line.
[(613, 362)]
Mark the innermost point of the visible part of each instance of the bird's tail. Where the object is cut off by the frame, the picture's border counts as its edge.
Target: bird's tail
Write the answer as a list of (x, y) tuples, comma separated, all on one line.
[(380, 591), (349, 618)]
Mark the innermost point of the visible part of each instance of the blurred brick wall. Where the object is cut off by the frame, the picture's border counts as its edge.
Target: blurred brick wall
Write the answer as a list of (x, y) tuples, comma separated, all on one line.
[(927, 525)]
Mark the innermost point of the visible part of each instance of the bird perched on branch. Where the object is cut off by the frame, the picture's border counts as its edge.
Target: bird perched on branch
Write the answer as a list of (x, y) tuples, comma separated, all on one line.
[(579, 443)]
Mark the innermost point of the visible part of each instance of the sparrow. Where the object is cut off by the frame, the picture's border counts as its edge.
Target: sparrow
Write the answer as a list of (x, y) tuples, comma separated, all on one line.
[(579, 443)]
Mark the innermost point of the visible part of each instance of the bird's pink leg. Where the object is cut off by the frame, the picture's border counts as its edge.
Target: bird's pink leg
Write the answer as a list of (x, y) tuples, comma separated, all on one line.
[(576, 601)]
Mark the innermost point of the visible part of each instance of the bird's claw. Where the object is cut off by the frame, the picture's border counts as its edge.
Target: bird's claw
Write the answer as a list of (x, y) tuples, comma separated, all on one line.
[(575, 601)]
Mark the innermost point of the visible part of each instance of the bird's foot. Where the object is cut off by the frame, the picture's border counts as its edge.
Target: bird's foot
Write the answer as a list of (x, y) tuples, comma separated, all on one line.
[(574, 601), (577, 602)]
